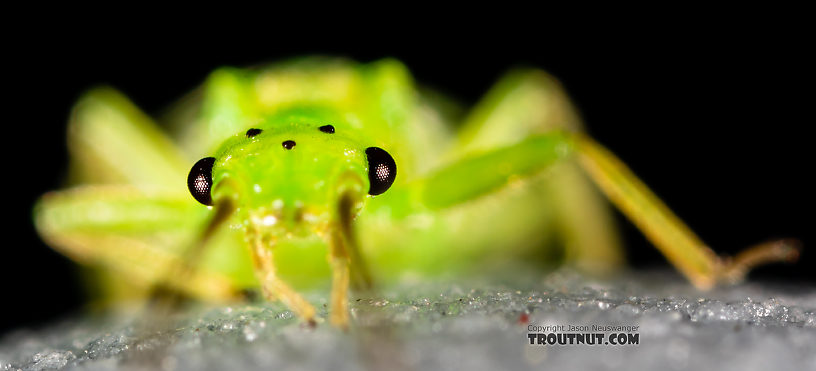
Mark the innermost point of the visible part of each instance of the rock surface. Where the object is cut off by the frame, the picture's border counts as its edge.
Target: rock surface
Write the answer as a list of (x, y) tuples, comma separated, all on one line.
[(475, 326)]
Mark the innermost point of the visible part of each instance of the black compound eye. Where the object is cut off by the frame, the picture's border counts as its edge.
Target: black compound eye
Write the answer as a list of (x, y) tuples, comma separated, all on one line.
[(200, 180), (382, 170), (328, 129)]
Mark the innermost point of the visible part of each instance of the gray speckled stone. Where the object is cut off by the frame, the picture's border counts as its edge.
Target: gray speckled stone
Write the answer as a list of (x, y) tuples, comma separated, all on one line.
[(477, 326)]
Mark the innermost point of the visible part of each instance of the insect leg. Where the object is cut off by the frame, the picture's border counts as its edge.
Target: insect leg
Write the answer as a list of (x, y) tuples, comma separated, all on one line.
[(665, 230), (111, 141), (339, 261), (445, 188), (530, 102), (345, 259), (132, 232), (191, 258), (272, 286), (467, 179)]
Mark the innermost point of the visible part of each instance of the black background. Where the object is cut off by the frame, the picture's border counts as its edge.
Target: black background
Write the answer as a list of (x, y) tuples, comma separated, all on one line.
[(714, 117)]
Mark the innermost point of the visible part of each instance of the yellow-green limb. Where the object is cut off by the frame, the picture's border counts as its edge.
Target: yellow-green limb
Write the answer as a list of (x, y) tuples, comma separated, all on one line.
[(664, 229)]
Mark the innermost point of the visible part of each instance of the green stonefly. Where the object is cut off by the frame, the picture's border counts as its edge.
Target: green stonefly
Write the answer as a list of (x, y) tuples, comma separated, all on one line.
[(322, 171)]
